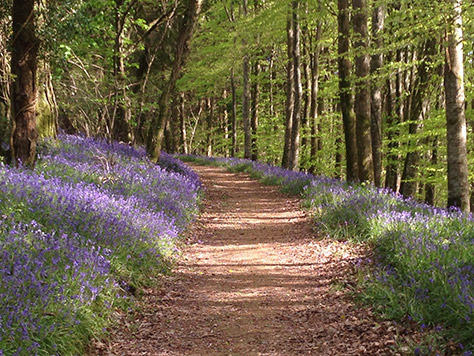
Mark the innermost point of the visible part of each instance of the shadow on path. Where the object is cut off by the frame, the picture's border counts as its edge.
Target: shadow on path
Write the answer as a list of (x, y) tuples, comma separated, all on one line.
[(254, 280)]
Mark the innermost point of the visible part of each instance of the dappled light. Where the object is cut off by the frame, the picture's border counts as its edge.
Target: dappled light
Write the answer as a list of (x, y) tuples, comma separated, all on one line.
[(255, 280)]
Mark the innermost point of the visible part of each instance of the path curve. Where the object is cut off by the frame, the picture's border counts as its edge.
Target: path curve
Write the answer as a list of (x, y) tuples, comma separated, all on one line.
[(253, 280)]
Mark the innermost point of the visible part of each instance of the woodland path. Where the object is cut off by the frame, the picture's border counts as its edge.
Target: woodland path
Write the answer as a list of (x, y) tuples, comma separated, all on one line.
[(254, 279)]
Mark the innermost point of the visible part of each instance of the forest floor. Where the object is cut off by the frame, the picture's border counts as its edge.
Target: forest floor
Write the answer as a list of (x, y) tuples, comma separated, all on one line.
[(254, 279)]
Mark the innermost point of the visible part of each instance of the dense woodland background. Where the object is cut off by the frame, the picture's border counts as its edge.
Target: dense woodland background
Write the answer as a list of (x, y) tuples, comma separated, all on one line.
[(365, 90)]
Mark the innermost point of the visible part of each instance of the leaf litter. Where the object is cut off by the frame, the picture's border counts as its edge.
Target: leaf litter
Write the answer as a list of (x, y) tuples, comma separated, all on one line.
[(254, 278)]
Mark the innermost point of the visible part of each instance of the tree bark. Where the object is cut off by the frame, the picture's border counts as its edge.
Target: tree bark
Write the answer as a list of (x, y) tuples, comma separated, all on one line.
[(246, 108), (224, 119), (458, 185), (5, 86), (24, 91), (345, 94), (430, 189), (271, 79), (210, 125), (157, 128), (290, 93), (254, 116), (182, 119), (122, 105), (362, 95), (395, 110), (234, 114), (313, 112), (295, 129), (391, 172), (376, 93), (174, 125), (306, 64)]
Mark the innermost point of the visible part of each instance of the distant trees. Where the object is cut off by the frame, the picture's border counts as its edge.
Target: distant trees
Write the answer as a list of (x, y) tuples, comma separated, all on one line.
[(158, 124), (306, 84), (375, 107)]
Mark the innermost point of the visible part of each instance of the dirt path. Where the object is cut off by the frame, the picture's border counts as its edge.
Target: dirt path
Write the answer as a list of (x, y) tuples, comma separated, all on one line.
[(254, 280)]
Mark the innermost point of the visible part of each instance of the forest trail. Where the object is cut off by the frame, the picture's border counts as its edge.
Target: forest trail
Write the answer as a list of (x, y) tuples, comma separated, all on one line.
[(253, 280)]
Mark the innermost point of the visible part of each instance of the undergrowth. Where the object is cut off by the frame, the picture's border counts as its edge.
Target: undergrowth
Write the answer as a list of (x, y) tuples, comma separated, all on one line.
[(79, 234)]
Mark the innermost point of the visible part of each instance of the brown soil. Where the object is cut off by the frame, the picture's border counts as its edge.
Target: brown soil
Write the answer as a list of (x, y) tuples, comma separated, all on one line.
[(254, 279)]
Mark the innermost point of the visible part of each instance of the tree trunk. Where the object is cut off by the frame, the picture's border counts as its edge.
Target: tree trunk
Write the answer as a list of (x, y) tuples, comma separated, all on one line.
[(23, 93), (338, 158), (5, 85), (174, 125), (458, 185), (210, 125), (246, 108), (290, 93), (395, 110), (234, 114), (122, 105), (182, 119), (271, 79), (430, 190), (306, 64), (391, 171), (46, 107), (255, 104), (362, 95), (157, 128), (376, 93), (313, 112), (345, 94), (224, 115), (295, 129)]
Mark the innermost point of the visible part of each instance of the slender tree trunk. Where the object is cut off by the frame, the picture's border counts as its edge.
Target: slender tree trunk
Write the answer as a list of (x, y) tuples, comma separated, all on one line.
[(338, 157), (362, 96), (5, 84), (295, 130), (321, 110), (345, 94), (430, 190), (376, 93), (174, 125), (156, 132), (210, 125), (122, 106), (225, 122), (47, 106), (391, 168), (182, 119), (313, 112), (271, 78), (23, 92), (234, 114), (246, 108), (168, 138), (395, 110), (458, 185), (254, 115), (290, 93), (306, 64)]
